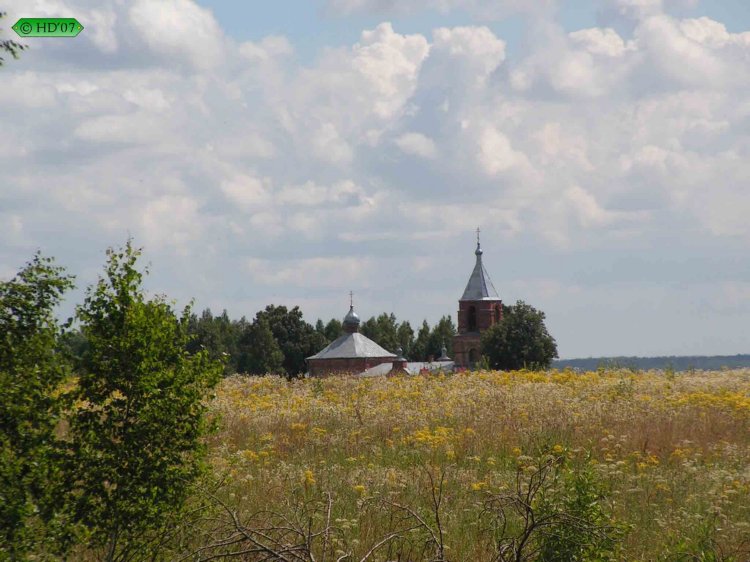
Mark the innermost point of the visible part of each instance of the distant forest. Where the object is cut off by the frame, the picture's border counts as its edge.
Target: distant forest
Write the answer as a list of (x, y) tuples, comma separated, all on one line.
[(685, 363)]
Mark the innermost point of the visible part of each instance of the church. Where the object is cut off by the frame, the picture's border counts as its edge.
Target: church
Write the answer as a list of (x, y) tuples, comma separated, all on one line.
[(479, 308)]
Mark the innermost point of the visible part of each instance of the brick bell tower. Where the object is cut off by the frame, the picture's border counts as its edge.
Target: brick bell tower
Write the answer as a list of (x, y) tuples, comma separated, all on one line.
[(478, 309)]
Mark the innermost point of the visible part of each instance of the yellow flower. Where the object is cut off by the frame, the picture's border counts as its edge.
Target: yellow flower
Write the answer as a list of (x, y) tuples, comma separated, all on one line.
[(476, 486), (516, 451), (557, 449), (360, 489), (250, 455), (309, 478)]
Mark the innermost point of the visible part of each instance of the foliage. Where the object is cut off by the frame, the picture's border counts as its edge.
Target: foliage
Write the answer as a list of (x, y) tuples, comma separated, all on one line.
[(441, 335), (553, 513), (10, 46), (519, 340), (296, 338), (332, 329), (219, 336), (420, 349), (139, 417), (383, 330), (260, 352), (30, 376)]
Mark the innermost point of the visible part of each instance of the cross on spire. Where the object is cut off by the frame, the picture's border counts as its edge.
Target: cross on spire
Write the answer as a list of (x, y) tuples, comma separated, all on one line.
[(351, 299), (478, 231)]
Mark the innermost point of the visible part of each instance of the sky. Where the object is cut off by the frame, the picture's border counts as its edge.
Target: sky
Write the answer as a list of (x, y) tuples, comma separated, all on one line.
[(288, 152)]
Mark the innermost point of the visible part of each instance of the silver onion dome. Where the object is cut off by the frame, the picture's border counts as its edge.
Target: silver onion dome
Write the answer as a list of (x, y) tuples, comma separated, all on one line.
[(351, 317)]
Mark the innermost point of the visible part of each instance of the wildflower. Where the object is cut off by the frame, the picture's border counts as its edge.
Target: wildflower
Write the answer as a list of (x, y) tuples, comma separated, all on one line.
[(360, 489), (309, 478), (476, 486), (250, 455)]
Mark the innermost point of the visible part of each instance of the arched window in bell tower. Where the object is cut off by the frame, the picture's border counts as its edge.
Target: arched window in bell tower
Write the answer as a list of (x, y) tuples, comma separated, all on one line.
[(472, 321)]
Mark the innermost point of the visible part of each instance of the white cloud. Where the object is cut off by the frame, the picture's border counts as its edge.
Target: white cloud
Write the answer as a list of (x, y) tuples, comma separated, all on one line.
[(484, 9), (311, 272), (599, 41), (496, 154), (478, 46), (248, 192), (179, 28), (216, 150), (171, 221), (417, 144), (267, 49)]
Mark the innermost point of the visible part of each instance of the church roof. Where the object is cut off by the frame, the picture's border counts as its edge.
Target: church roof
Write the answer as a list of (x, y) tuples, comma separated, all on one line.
[(351, 346), (412, 368), (480, 286)]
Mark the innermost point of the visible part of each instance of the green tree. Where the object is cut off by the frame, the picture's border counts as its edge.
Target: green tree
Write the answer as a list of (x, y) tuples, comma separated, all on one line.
[(219, 336), (10, 46), (31, 373), (405, 338), (260, 353), (520, 340), (441, 335), (420, 348), (333, 329), (383, 330), (138, 430), (296, 338)]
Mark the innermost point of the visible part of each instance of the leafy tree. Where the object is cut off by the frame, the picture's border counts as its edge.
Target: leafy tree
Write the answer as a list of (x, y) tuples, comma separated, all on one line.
[(140, 417), (441, 334), (30, 376), (333, 329), (260, 353), (10, 46), (383, 330), (219, 336), (421, 345), (405, 338), (520, 340), (72, 344), (296, 338), (320, 327)]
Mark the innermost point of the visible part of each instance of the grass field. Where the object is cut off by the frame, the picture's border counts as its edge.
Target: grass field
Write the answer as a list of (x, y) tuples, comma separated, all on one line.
[(636, 465)]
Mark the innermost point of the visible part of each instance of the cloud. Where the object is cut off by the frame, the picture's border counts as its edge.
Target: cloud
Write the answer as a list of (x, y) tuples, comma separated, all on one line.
[(218, 152), (180, 29), (311, 272), (484, 9), (417, 144)]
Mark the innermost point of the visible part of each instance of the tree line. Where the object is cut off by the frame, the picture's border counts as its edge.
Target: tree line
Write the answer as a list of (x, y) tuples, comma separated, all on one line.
[(278, 340)]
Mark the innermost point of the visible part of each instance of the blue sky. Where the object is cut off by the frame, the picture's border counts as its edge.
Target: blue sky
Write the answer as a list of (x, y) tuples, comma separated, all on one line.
[(288, 152)]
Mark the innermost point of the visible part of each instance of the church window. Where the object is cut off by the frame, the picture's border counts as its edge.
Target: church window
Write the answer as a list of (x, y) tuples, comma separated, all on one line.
[(472, 319)]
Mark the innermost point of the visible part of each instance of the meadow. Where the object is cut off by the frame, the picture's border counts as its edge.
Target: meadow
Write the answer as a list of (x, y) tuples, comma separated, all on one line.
[(605, 465)]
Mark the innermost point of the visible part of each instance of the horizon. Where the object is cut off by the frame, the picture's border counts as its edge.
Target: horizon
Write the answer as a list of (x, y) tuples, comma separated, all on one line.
[(290, 153)]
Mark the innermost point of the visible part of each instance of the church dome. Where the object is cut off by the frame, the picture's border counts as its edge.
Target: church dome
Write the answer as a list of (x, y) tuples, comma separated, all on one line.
[(351, 321)]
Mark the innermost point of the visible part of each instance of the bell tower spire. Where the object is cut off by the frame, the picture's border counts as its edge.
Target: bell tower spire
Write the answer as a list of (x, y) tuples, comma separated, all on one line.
[(479, 308)]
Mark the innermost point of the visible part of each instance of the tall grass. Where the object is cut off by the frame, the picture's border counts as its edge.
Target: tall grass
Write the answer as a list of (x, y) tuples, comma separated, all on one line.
[(405, 468)]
